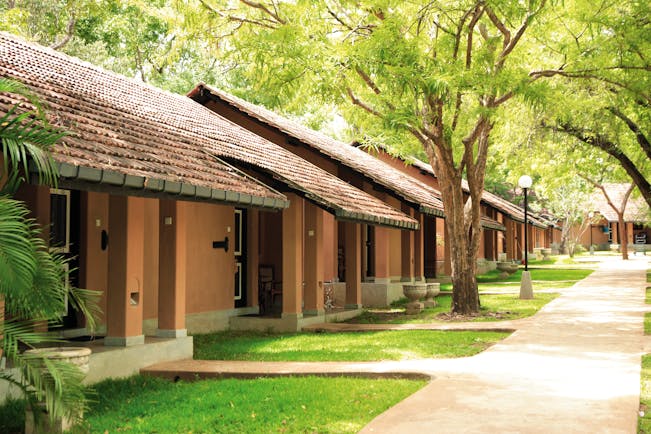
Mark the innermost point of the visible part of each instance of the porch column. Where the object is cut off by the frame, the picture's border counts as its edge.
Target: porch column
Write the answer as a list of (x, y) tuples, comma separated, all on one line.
[(353, 256), (313, 260), (172, 269), (126, 269), (419, 249), (382, 272), (407, 250), (293, 257), (253, 256)]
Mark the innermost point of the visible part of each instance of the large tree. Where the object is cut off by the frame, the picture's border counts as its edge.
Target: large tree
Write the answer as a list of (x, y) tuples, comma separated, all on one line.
[(433, 73)]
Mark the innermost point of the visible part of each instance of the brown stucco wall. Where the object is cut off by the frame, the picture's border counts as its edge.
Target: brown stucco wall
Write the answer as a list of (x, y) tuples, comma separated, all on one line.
[(210, 272), (93, 261)]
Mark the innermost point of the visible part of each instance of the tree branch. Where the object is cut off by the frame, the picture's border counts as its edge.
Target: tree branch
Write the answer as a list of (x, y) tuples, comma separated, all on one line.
[(70, 30), (614, 151), (457, 37), (338, 19), (639, 134), (569, 74), (477, 13), (359, 103), (500, 26), (263, 8), (508, 48), (369, 82), (235, 18)]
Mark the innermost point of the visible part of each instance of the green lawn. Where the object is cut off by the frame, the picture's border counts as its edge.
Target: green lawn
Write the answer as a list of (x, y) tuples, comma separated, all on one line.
[(543, 278), (265, 405), (644, 421), (539, 274), (494, 307), (367, 346)]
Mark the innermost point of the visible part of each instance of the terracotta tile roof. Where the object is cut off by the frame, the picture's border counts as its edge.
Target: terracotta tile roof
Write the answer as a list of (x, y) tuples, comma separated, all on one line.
[(408, 188), (636, 211), (121, 127), (123, 131)]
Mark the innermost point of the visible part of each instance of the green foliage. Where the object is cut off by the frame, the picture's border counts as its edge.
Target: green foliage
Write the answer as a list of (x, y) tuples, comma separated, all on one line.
[(368, 346), (12, 416), (264, 405), (32, 280)]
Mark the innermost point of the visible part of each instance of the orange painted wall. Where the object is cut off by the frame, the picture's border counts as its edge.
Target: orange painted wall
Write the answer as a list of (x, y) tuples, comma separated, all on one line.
[(210, 272), (395, 243), (150, 278), (329, 247), (93, 261)]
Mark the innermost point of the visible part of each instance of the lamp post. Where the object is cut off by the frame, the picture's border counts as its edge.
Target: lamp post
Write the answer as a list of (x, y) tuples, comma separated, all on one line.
[(526, 289), (590, 216)]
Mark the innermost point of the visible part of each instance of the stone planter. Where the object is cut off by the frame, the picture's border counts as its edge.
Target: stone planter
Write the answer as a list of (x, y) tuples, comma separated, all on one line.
[(433, 289), (414, 292), (507, 268), (78, 356), (546, 254)]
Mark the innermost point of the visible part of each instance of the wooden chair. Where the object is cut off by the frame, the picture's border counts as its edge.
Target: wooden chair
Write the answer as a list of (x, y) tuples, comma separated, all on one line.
[(268, 288)]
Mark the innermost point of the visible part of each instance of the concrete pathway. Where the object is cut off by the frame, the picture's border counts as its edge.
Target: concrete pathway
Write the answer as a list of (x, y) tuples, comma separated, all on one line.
[(572, 368)]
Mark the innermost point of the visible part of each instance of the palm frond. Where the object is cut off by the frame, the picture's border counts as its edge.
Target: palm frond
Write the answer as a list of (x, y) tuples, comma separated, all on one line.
[(56, 382), (24, 139), (12, 86), (15, 332), (17, 251)]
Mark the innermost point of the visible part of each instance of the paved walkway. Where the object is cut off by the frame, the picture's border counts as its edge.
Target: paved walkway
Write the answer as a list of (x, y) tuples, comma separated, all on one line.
[(572, 368)]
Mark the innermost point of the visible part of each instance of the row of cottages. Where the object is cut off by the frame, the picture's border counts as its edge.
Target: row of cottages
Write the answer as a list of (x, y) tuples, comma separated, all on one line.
[(388, 257), (205, 213), (171, 211), (605, 232), (503, 222)]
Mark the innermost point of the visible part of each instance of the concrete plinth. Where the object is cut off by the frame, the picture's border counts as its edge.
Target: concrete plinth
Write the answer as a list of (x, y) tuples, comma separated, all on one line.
[(414, 308), (526, 288)]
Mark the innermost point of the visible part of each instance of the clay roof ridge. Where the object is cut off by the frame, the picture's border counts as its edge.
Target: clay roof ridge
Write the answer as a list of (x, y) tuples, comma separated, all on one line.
[(376, 169)]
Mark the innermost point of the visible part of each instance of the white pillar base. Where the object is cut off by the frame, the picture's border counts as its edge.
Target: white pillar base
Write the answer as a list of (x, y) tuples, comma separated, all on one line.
[(526, 288), (172, 334), (124, 341)]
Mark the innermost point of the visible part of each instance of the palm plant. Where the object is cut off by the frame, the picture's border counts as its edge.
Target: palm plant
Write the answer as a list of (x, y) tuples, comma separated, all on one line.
[(32, 279)]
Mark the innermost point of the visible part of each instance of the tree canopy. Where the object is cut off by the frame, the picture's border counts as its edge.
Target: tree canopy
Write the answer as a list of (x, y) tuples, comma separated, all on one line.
[(445, 80)]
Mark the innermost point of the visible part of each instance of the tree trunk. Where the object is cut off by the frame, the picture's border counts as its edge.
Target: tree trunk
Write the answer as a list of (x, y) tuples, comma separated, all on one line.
[(465, 293), (462, 223), (622, 234)]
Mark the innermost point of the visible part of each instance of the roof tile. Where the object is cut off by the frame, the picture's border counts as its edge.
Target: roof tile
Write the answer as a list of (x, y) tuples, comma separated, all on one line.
[(380, 172)]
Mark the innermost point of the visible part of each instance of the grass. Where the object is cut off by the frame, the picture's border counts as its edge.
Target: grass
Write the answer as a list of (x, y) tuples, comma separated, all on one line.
[(493, 307), (367, 346), (543, 278), (290, 404), (644, 421)]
